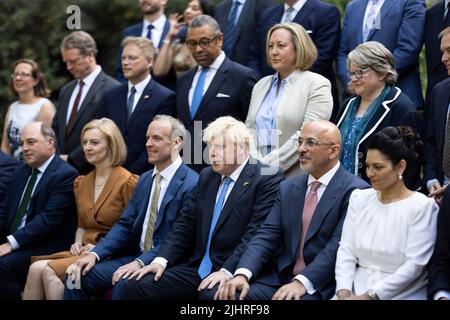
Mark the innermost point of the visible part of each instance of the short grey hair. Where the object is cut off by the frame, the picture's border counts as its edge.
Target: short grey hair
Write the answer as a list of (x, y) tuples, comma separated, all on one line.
[(80, 40), (177, 128), (444, 32), (205, 20), (375, 56), (48, 132), (233, 129), (146, 45)]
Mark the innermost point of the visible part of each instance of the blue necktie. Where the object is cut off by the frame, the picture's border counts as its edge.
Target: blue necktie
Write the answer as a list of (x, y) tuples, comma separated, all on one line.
[(130, 102), (228, 41), (206, 265), (198, 92), (149, 31)]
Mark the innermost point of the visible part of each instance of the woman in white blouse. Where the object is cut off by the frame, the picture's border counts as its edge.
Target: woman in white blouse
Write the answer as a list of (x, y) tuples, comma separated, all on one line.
[(283, 103), (389, 231)]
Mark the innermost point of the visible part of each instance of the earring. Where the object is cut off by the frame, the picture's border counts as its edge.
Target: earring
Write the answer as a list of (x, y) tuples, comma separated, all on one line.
[(400, 177)]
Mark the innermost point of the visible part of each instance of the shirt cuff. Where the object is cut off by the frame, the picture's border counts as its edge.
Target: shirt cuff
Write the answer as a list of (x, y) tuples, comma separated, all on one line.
[(161, 261), (441, 294), (430, 182), (245, 272), (12, 241), (306, 283), (141, 263), (96, 256), (228, 273)]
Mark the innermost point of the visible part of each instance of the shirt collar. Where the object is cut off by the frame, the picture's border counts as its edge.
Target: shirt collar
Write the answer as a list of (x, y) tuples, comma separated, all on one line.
[(236, 173), (297, 6), (140, 86), (43, 167), (326, 178), (90, 78), (169, 172), (217, 63), (158, 24), (242, 2)]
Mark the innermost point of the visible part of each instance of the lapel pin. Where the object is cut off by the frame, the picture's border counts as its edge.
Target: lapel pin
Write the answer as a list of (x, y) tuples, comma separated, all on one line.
[(246, 183), (146, 97)]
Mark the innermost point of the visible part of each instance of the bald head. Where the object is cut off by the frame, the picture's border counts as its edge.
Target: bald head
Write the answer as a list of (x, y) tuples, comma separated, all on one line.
[(327, 129)]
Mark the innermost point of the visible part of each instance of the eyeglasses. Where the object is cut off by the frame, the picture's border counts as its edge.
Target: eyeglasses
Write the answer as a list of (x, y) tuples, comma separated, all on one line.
[(358, 73), (16, 75), (311, 142), (204, 43)]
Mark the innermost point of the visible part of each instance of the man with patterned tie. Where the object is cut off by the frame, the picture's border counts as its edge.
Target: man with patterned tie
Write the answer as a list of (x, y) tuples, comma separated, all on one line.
[(38, 214), (231, 201), (133, 104), (79, 100), (437, 136), (216, 87), (135, 238), (305, 225)]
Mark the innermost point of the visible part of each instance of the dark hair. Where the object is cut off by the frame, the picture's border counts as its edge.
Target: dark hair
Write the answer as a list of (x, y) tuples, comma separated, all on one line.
[(207, 7), (397, 143), (41, 88)]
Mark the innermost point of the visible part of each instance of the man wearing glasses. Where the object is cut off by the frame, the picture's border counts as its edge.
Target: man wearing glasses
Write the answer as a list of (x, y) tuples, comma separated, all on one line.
[(216, 87), (305, 224)]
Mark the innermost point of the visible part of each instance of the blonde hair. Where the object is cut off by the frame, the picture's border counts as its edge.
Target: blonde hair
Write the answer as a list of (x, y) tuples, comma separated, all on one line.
[(116, 144), (306, 50), (146, 45), (233, 129)]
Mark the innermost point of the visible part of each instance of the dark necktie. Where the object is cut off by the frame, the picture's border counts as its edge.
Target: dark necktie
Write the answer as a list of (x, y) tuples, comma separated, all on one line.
[(130, 102), (446, 150), (229, 36), (73, 113), (447, 17), (309, 207), (25, 201), (149, 31)]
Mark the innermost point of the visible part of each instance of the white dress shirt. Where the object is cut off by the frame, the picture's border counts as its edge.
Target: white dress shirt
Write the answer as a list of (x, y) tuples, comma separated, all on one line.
[(297, 7), (139, 90), (157, 31)]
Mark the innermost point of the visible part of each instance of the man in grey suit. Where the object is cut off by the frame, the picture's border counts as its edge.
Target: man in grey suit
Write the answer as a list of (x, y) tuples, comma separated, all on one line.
[(79, 99), (304, 226)]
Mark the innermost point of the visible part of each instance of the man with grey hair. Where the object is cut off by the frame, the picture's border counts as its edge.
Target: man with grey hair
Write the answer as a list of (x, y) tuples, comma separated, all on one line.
[(216, 87), (133, 105), (78, 100), (38, 214), (231, 201), (135, 238)]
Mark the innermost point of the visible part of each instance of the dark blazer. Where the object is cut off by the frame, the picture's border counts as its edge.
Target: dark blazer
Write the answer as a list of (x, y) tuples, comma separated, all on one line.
[(228, 95), (402, 29), (88, 110), (436, 71), (7, 166), (244, 211), (124, 237), (245, 27), (322, 22), (281, 230), (135, 30), (435, 119), (155, 99), (397, 109), (439, 264)]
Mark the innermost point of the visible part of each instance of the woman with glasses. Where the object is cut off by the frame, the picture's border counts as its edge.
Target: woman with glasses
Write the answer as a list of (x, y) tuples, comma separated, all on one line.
[(389, 231), (283, 103), (174, 53), (377, 104), (28, 84)]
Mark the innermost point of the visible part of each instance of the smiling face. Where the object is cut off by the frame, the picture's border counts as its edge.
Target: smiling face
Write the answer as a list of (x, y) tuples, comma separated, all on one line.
[(382, 173), (369, 83), (23, 80), (282, 52), (161, 150), (192, 10), (149, 7), (95, 147)]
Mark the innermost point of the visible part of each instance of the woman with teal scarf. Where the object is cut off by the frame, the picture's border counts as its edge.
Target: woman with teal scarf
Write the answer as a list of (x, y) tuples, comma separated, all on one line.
[(377, 104)]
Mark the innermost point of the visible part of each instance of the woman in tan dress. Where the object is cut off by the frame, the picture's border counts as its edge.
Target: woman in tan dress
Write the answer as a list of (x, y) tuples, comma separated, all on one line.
[(101, 197)]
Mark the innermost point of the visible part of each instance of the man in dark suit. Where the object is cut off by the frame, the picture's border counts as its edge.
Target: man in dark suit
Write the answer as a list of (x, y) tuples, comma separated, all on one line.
[(136, 237), (399, 25), (437, 135), (78, 100), (133, 105), (308, 238), (155, 27), (437, 19), (217, 87), (238, 19), (38, 215), (439, 264), (7, 166), (231, 201), (322, 22)]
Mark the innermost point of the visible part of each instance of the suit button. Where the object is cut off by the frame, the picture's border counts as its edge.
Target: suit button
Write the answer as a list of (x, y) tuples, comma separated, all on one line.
[(360, 165), (360, 154)]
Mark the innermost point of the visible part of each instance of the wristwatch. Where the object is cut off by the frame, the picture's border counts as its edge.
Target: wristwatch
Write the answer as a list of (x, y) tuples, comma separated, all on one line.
[(372, 295)]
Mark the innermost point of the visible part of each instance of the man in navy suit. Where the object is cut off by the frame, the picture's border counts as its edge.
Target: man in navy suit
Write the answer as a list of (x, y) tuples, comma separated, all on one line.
[(435, 167), (305, 266), (241, 26), (217, 87), (136, 237), (7, 166), (38, 215), (155, 26), (399, 25), (133, 105), (437, 19), (79, 100), (322, 22), (231, 201)]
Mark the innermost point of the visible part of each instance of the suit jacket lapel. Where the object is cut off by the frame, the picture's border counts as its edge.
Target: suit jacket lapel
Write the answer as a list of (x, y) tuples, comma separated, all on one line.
[(385, 9), (143, 199), (304, 13), (164, 33), (142, 103), (246, 12), (210, 201), (295, 211), (22, 179), (63, 108), (183, 91), (360, 9), (44, 178)]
